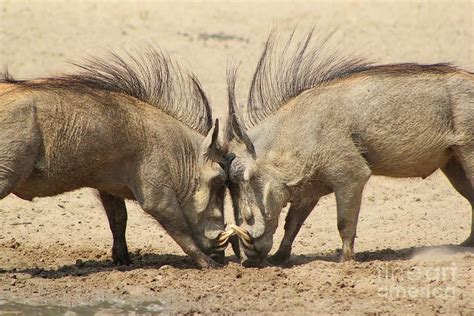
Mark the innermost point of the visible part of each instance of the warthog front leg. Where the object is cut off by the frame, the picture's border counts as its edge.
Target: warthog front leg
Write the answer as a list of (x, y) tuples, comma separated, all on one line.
[(348, 199), (296, 216), (117, 214)]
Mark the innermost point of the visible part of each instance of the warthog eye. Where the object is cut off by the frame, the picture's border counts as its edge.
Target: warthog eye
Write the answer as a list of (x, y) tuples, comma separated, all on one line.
[(236, 171), (221, 177)]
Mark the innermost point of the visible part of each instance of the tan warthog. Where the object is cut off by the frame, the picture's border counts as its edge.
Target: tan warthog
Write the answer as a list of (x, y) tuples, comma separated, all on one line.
[(132, 130), (315, 125)]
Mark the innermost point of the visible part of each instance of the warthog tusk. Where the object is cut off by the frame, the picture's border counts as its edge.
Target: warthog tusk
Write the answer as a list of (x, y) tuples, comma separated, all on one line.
[(232, 230), (247, 244), (224, 236), (221, 248), (243, 234)]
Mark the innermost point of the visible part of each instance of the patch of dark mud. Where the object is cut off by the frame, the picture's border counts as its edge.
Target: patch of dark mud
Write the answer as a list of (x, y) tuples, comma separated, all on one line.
[(104, 308), (88, 267)]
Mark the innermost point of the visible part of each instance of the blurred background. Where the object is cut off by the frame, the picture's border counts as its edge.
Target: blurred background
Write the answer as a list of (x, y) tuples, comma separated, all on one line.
[(38, 37)]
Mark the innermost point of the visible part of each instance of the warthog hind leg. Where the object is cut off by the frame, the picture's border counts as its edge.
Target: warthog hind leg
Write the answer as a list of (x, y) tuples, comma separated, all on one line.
[(117, 215), (460, 172), (296, 216)]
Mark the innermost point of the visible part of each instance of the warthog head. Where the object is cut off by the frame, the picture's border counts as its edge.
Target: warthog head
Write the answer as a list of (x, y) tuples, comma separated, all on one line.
[(208, 200), (258, 195)]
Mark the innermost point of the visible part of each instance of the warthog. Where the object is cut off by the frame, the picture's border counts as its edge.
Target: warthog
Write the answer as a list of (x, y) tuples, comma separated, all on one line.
[(314, 125), (130, 129)]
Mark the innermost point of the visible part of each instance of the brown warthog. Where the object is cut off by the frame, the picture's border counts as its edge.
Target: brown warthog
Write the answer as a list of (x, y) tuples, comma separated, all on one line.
[(315, 125), (132, 130)]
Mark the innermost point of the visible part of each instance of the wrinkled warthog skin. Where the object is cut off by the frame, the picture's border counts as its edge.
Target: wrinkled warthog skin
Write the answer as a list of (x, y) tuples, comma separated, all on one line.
[(313, 127), (129, 137)]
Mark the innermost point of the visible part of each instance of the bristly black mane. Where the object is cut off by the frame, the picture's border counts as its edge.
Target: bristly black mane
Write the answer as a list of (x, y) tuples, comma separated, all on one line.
[(284, 73), (153, 78)]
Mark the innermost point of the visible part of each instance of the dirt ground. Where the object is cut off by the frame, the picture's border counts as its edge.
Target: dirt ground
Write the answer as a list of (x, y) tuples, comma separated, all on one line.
[(55, 252)]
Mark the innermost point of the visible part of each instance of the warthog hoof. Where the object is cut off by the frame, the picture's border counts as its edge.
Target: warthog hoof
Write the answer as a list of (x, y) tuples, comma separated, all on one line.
[(121, 258), (254, 263), (347, 256), (468, 242), (206, 262), (218, 257), (280, 257)]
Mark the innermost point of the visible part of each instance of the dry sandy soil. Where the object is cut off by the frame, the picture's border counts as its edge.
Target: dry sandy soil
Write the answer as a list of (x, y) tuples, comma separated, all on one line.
[(56, 251)]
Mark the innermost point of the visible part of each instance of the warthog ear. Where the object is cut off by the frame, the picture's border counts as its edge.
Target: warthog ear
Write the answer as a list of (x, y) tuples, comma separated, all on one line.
[(234, 127), (243, 137), (211, 148)]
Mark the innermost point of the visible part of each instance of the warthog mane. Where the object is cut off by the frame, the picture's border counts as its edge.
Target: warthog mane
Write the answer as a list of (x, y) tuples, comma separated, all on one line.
[(151, 77), (286, 69)]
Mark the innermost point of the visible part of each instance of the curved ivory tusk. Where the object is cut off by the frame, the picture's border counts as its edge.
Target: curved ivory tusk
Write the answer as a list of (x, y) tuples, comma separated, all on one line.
[(220, 248), (242, 233), (247, 244), (223, 238), (225, 235), (223, 242)]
